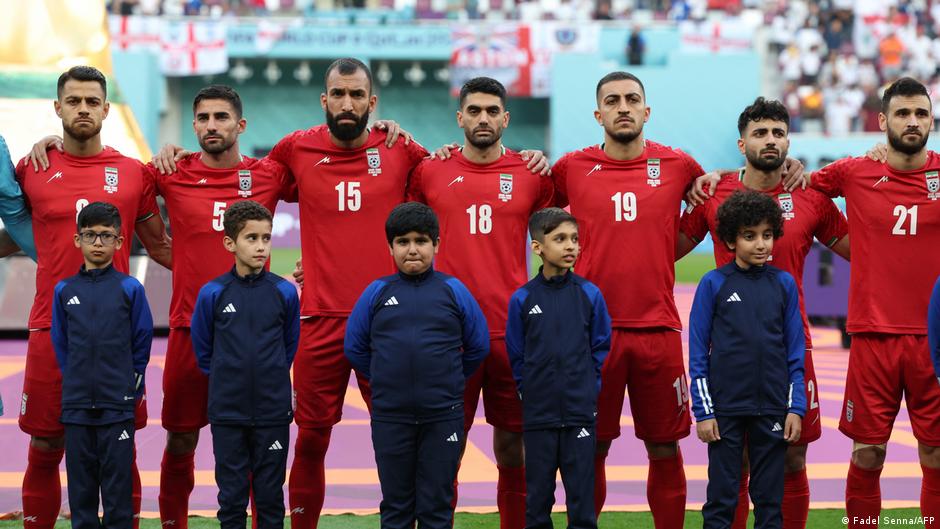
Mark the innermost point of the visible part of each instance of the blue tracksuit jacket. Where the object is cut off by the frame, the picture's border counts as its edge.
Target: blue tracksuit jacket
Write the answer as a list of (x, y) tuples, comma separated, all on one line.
[(933, 328), (13, 210), (557, 336), (746, 344), (101, 332), (416, 339), (245, 332)]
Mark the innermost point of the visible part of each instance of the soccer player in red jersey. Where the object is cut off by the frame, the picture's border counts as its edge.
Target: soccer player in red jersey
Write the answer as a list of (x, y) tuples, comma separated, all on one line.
[(627, 193), (348, 180), (85, 172), (764, 128), (484, 195), (894, 228), (196, 195)]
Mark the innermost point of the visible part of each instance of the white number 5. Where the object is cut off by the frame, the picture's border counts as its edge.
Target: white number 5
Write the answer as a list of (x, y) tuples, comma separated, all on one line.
[(218, 212)]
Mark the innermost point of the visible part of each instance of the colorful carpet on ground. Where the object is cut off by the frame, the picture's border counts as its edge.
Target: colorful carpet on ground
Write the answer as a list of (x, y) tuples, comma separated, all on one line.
[(352, 483)]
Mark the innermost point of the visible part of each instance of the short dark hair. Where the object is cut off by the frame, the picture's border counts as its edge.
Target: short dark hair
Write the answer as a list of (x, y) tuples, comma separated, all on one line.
[(746, 208), (347, 66), (484, 85), (220, 91), (904, 87), (82, 73), (763, 109), (99, 214), (412, 216), (545, 221), (619, 76), (236, 216)]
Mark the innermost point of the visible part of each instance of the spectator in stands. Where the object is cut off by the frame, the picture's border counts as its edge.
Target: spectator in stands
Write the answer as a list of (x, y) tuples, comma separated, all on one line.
[(636, 47), (891, 50)]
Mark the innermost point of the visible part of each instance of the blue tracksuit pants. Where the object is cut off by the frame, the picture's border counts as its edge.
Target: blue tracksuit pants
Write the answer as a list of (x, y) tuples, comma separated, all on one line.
[(570, 450)]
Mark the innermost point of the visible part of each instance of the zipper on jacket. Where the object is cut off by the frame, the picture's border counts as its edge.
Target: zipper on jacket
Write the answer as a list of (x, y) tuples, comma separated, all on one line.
[(253, 364), (758, 379), (559, 367), (94, 352), (411, 356)]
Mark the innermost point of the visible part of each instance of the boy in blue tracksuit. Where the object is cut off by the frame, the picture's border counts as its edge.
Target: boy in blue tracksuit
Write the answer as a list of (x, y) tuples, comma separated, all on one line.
[(933, 328), (245, 329), (416, 336), (101, 333), (746, 348), (557, 336)]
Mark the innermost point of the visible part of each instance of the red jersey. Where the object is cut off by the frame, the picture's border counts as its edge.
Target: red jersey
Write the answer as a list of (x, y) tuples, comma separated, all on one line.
[(55, 197), (196, 197), (806, 214), (484, 213), (345, 197), (628, 214), (894, 234)]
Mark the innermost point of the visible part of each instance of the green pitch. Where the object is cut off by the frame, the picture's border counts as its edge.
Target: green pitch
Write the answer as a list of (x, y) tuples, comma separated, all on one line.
[(818, 519), (689, 269)]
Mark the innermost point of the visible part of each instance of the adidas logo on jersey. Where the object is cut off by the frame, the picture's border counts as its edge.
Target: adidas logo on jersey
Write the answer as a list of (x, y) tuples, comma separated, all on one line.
[(733, 297), (776, 427), (583, 433), (276, 445), (73, 301), (123, 436), (536, 310), (391, 301), (453, 438), (229, 308)]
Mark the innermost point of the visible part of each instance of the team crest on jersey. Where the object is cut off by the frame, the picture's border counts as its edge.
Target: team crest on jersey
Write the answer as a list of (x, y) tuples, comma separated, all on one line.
[(244, 183), (653, 172), (505, 187), (933, 184), (786, 204), (111, 179), (375, 163)]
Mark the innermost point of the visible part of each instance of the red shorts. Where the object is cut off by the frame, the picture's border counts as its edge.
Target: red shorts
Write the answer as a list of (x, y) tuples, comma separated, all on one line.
[(812, 426), (647, 363), (41, 406), (185, 387), (500, 398), (882, 367), (321, 373)]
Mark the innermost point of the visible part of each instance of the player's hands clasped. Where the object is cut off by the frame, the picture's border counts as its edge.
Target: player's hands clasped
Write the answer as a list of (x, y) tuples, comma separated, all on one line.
[(707, 430), (793, 428)]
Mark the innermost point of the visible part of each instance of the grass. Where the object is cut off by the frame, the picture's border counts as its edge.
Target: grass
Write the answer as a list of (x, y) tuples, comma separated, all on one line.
[(818, 519), (689, 269)]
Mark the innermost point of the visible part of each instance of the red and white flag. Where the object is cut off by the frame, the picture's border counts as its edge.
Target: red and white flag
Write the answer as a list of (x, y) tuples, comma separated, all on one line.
[(193, 48)]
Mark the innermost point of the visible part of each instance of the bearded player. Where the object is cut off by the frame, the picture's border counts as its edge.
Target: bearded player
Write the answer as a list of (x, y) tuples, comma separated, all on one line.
[(85, 172), (484, 195), (764, 128)]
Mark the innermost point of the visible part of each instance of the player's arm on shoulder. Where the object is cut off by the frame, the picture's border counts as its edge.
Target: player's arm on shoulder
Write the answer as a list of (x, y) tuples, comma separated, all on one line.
[(933, 328), (515, 337), (393, 131), (357, 345), (692, 229), (795, 341), (165, 160), (832, 229), (476, 334), (202, 325), (830, 180), (415, 188), (37, 156), (153, 235), (537, 162)]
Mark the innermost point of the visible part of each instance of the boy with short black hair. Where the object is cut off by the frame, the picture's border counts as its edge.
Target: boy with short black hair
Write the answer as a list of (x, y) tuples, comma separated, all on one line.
[(557, 336), (416, 336), (746, 349), (245, 329), (101, 331)]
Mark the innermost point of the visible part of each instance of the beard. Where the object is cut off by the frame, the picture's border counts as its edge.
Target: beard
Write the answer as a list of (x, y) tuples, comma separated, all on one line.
[(897, 143), (81, 133), (483, 143), (623, 137), (346, 132), (216, 148), (764, 164)]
